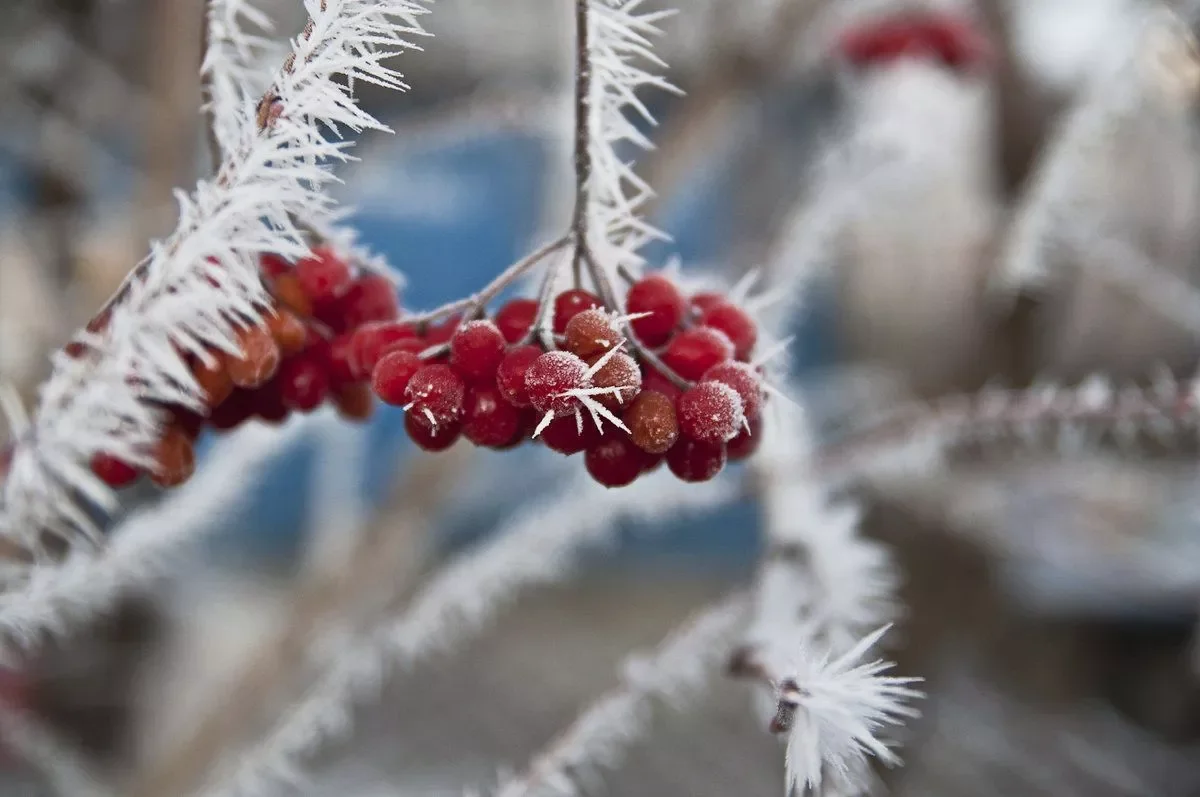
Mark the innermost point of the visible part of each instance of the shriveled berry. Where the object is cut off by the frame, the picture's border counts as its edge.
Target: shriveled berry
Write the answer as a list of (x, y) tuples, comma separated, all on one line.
[(370, 297), (290, 294), (323, 275), (694, 351), (696, 461), (591, 333), (174, 458), (736, 324), (354, 402), (746, 442), (476, 351), (744, 379), (510, 375), (431, 438), (303, 383), (653, 425), (614, 461), (257, 358), (570, 303), (490, 421), (711, 412), (214, 380), (658, 296), (621, 374), (702, 302), (372, 340), (550, 376), (568, 435), (436, 393), (113, 471), (392, 375), (515, 318), (288, 331)]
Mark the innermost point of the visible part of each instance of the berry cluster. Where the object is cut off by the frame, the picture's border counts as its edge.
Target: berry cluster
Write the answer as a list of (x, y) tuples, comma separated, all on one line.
[(685, 394), (300, 358)]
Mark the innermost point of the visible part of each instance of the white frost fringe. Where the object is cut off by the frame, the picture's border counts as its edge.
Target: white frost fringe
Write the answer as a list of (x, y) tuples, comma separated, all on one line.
[(202, 282), (542, 545), (676, 673)]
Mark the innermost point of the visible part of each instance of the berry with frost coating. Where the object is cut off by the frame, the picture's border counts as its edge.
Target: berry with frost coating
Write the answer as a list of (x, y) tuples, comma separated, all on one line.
[(591, 333), (710, 412), (744, 379), (489, 420), (550, 376), (621, 374), (652, 423), (476, 350), (696, 461), (436, 393), (614, 461), (431, 438), (288, 332), (570, 303), (392, 374), (736, 324)]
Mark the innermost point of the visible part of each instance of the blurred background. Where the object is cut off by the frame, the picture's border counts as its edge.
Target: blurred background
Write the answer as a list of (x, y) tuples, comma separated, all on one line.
[(1051, 601)]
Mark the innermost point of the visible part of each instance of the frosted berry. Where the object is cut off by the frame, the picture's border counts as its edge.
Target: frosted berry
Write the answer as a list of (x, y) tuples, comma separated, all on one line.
[(303, 383), (288, 332), (371, 341), (476, 350), (620, 373), (257, 358), (431, 438), (436, 393), (510, 376), (658, 296), (736, 324), (213, 379), (550, 376), (174, 458), (590, 333), (696, 461), (746, 442), (323, 275), (701, 303), (515, 318), (490, 421), (710, 412), (570, 303), (652, 422), (113, 472), (614, 461), (569, 435), (694, 351), (353, 401), (744, 380), (392, 375), (369, 298), (290, 294)]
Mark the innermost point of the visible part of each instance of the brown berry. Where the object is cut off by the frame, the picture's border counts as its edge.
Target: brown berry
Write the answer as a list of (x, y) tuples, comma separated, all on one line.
[(652, 422), (591, 333), (174, 458), (257, 360)]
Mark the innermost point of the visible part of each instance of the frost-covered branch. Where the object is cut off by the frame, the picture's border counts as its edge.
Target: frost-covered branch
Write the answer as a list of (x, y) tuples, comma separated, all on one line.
[(542, 545), (237, 49), (63, 768), (676, 673), (200, 284)]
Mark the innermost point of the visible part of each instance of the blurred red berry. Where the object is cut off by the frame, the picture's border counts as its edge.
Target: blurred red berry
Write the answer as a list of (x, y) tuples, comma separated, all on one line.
[(694, 351), (174, 458), (443, 332), (510, 375), (372, 340), (343, 368), (515, 318), (737, 326), (569, 435), (702, 302), (489, 420), (369, 298), (431, 438), (392, 375), (614, 461), (288, 332), (656, 295), (113, 472), (272, 265), (354, 402), (257, 358), (746, 442), (303, 383), (696, 461), (323, 275)]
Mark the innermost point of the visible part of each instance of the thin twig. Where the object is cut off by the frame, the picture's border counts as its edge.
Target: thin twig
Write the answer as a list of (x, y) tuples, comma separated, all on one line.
[(583, 142)]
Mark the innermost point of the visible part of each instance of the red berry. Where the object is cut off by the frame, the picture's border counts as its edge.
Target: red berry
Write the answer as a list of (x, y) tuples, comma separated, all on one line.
[(392, 375), (303, 383), (476, 350), (550, 376), (369, 298), (570, 303), (653, 380), (233, 411), (490, 420), (694, 351), (656, 295), (591, 333), (268, 403), (343, 368), (744, 379), (696, 461), (510, 376), (653, 425), (569, 435), (436, 393), (272, 265), (746, 442), (257, 358), (213, 379), (614, 461), (113, 472), (174, 457), (737, 326), (443, 332), (354, 401), (323, 275), (287, 290), (710, 412), (372, 340), (431, 438), (515, 318), (620, 373), (702, 302), (288, 332)]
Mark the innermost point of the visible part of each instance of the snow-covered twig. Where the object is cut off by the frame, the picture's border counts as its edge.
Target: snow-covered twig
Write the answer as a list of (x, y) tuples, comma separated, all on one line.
[(675, 673), (542, 545), (237, 49), (196, 287)]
